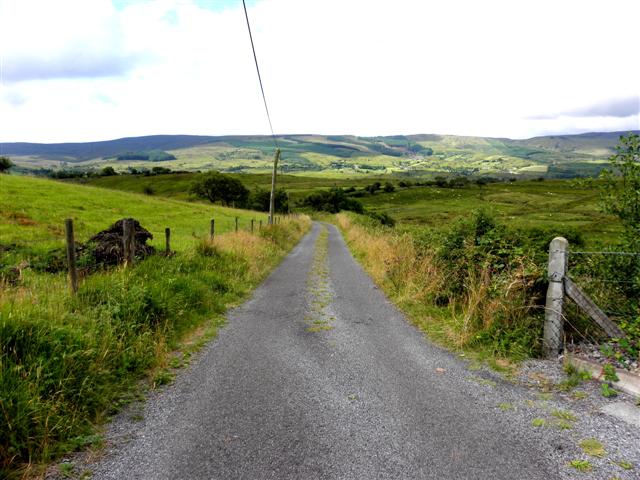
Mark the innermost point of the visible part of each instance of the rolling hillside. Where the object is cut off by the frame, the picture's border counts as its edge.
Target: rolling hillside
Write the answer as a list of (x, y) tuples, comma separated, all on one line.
[(319, 155), (32, 213)]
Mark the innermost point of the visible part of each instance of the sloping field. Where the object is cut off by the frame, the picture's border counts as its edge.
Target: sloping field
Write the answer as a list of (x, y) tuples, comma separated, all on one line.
[(33, 211)]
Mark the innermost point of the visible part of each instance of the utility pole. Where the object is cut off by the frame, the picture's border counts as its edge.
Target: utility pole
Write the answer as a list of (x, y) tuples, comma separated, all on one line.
[(272, 199)]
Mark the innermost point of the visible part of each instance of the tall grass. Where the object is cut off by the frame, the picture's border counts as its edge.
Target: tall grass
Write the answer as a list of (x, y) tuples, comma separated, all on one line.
[(65, 360), (464, 295)]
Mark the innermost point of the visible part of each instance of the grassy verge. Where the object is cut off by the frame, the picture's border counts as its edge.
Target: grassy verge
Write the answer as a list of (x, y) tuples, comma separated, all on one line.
[(468, 290), (66, 361), (479, 285)]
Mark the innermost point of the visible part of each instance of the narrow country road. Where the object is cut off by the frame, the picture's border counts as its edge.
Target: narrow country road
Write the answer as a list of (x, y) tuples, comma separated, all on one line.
[(318, 376)]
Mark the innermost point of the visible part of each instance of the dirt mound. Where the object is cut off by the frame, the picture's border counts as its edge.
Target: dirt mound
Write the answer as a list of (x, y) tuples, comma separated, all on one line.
[(107, 246)]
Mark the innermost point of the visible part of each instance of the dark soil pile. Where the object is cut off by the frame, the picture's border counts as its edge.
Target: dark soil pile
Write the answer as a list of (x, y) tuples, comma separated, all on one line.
[(107, 246)]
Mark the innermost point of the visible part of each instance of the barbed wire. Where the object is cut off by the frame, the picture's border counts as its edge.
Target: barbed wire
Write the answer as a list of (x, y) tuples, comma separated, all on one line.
[(634, 254), (600, 279)]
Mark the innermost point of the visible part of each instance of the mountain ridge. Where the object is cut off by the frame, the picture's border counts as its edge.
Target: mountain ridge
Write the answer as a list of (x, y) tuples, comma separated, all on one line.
[(336, 154)]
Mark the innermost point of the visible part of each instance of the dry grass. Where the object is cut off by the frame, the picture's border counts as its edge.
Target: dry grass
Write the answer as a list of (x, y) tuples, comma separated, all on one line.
[(415, 279), (255, 248), (393, 261)]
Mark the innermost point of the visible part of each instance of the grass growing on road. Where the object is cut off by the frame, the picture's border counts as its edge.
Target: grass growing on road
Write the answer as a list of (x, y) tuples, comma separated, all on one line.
[(592, 447), (581, 465), (67, 361), (318, 287)]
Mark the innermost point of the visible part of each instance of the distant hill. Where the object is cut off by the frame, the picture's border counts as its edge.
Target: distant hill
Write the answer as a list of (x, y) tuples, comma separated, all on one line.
[(567, 155), (75, 152)]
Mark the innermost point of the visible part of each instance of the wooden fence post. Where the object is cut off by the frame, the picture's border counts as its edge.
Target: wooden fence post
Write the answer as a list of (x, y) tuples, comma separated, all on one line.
[(589, 307), (553, 316), (167, 241), (260, 225), (71, 255), (236, 224), (128, 242), (252, 220), (125, 244), (212, 229)]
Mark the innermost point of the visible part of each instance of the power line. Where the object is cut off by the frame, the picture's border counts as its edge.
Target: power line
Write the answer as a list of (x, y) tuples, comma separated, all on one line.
[(255, 58)]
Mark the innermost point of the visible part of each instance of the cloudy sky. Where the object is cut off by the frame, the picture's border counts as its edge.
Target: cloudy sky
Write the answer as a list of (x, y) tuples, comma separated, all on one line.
[(94, 70)]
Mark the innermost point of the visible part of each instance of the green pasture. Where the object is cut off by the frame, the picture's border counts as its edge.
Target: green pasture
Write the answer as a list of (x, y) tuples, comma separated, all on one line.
[(552, 204), (33, 211), (177, 185)]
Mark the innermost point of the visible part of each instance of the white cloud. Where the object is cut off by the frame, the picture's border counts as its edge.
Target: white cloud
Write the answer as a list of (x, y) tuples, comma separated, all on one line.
[(361, 67), (45, 40)]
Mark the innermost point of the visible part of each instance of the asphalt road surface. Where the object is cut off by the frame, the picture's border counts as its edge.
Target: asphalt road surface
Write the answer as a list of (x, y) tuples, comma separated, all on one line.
[(318, 376)]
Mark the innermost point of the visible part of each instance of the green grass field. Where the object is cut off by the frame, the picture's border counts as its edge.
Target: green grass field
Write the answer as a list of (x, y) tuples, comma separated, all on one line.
[(33, 211), (177, 185), (552, 204)]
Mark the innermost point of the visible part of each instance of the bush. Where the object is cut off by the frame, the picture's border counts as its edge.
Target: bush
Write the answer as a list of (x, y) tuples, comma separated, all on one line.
[(60, 174), (259, 200), (108, 172), (373, 188), (621, 188), (160, 170), (5, 164), (440, 181), (383, 218), (215, 186), (332, 201), (147, 155)]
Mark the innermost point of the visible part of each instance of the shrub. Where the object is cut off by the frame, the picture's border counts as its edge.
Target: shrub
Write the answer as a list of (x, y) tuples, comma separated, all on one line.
[(332, 201), (215, 186), (383, 218), (108, 172), (621, 188), (478, 270), (259, 200), (5, 164)]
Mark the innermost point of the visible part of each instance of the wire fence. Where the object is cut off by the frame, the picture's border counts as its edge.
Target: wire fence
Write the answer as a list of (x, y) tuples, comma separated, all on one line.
[(53, 251), (610, 278), (604, 287), (593, 301)]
